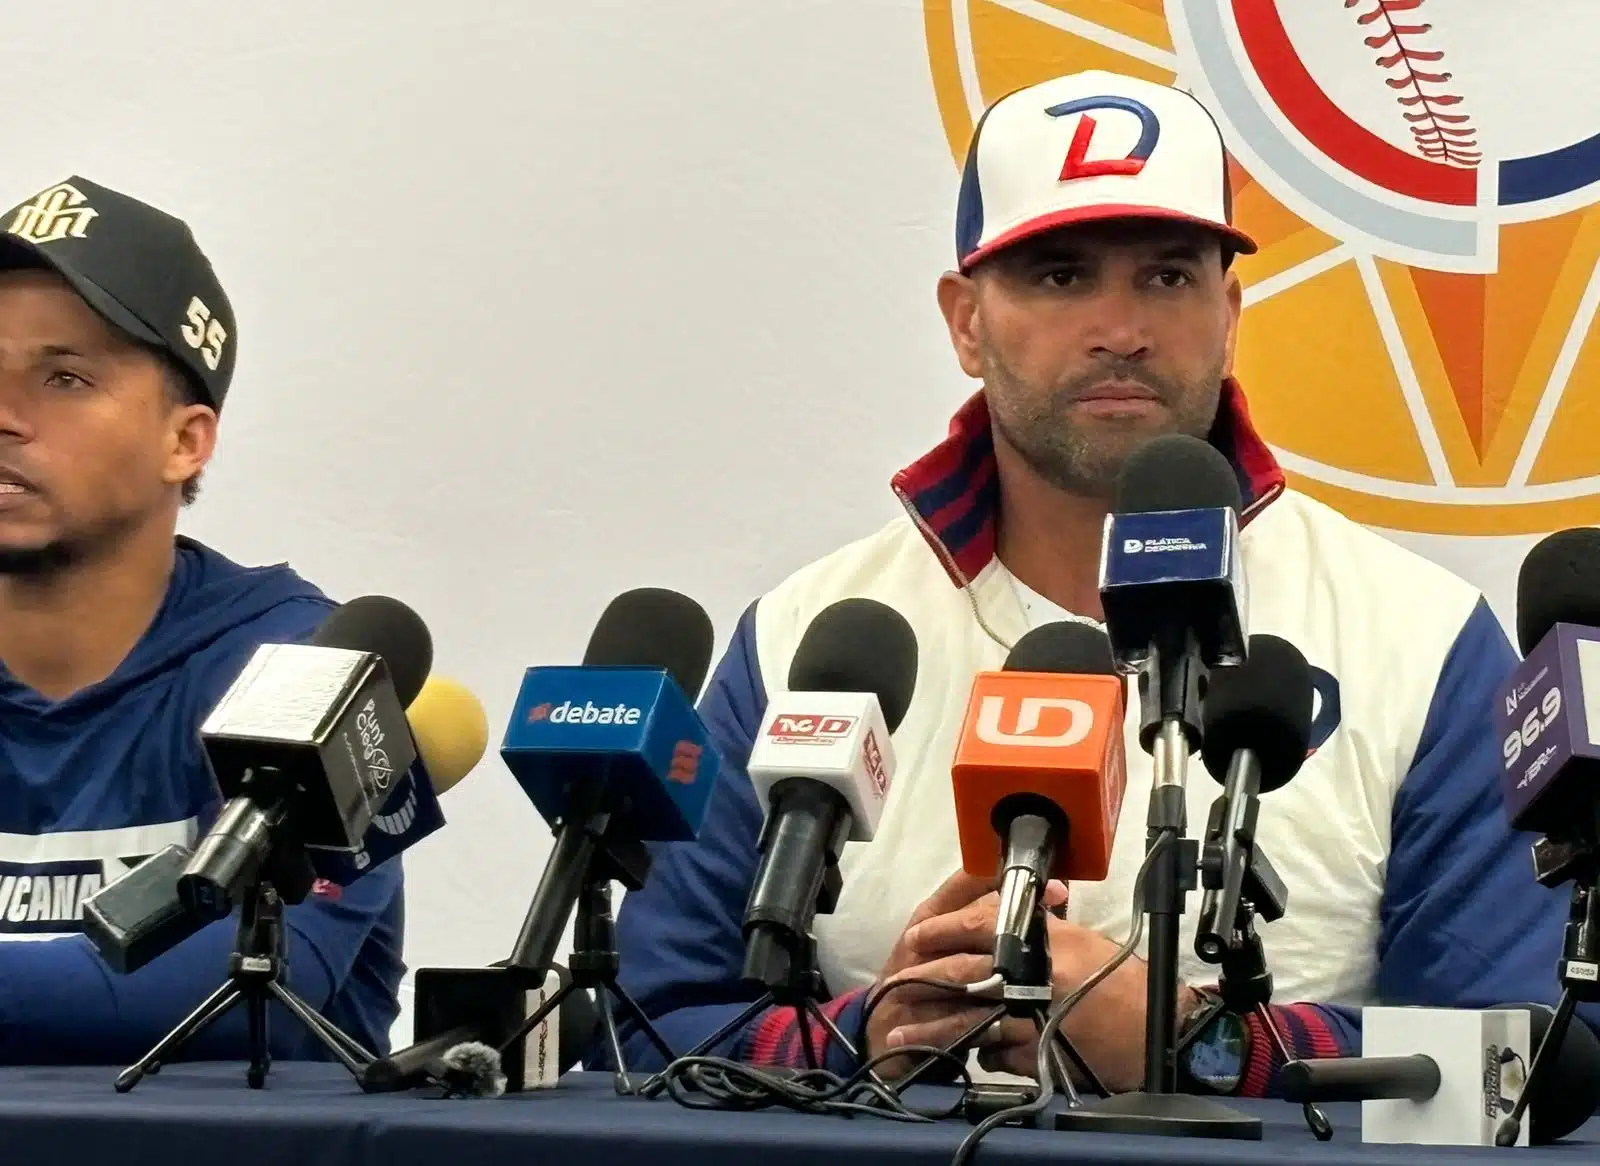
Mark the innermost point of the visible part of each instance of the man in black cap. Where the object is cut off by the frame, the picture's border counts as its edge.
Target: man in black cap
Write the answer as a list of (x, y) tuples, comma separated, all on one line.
[(117, 347)]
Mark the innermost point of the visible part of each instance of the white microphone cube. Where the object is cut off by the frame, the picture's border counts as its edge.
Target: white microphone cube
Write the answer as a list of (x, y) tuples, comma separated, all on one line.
[(1483, 1059), (837, 738)]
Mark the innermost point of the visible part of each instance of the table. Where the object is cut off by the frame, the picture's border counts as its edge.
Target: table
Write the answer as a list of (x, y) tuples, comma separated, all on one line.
[(314, 1115)]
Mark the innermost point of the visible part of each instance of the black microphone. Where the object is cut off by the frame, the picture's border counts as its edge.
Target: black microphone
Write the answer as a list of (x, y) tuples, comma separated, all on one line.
[(459, 1008), (1413, 1078), (603, 801), (306, 745), (1549, 764), (1171, 586), (1257, 732), (821, 766), (1035, 828), (613, 755), (1550, 761)]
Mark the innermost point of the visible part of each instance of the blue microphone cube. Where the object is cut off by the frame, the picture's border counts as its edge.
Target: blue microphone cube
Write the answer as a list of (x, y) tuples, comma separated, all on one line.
[(1171, 569), (631, 728)]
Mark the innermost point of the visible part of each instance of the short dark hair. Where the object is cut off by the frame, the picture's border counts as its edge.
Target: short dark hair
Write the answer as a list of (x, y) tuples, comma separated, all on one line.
[(183, 390)]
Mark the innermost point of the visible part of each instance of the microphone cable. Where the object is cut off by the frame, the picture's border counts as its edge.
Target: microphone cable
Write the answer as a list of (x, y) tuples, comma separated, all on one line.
[(1029, 1111), (733, 1085)]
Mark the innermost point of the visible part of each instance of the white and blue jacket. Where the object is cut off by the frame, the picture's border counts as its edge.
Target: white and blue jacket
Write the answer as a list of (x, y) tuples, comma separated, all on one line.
[(1406, 884)]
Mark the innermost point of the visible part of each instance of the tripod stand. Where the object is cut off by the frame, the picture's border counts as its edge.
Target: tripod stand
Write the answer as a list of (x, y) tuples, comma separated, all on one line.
[(1244, 985), (795, 983), (595, 962), (1579, 969), (255, 972)]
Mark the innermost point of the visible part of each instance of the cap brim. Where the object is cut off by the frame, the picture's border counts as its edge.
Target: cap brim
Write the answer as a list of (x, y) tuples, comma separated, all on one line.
[(102, 301), (1234, 237)]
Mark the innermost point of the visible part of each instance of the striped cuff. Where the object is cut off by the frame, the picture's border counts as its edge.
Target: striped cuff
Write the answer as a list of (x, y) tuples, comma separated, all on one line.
[(775, 1038), (1305, 1029)]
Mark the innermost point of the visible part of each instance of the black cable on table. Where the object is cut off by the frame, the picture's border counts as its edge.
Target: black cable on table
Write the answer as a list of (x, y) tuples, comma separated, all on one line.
[(1052, 1025)]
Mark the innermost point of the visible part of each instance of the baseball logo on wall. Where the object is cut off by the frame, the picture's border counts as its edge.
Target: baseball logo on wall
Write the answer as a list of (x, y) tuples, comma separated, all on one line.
[(1423, 179)]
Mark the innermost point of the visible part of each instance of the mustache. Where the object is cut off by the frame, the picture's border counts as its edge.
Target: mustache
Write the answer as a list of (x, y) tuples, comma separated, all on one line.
[(1115, 370)]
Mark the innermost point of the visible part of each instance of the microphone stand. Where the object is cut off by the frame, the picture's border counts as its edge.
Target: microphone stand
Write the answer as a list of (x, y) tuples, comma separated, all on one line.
[(584, 863), (1171, 732), (1244, 984), (1554, 863), (255, 975), (786, 967)]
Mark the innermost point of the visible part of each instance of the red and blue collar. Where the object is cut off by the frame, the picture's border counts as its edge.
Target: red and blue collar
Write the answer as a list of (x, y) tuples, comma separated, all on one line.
[(954, 489)]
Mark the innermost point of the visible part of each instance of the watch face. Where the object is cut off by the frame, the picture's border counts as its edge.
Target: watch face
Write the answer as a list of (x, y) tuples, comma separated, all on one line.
[(1216, 1056)]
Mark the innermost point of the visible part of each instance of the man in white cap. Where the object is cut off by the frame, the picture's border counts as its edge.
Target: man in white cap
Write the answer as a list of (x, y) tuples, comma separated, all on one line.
[(1094, 299)]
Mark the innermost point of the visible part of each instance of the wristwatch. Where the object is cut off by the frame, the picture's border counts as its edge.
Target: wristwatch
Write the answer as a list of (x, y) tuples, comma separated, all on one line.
[(1213, 1048)]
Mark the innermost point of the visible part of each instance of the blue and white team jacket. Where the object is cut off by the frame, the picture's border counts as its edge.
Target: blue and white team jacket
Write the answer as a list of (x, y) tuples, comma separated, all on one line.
[(91, 785), (1406, 885)]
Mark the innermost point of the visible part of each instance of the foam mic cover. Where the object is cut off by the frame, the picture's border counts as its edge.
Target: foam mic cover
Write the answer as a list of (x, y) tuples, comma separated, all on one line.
[(1063, 647), (1570, 1094), (859, 645), (653, 627), (1559, 582), (389, 629), (451, 731), (1176, 472), (1263, 705)]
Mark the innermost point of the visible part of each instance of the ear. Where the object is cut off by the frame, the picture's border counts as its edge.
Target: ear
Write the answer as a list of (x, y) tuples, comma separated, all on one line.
[(1233, 291), (958, 300), (191, 440)]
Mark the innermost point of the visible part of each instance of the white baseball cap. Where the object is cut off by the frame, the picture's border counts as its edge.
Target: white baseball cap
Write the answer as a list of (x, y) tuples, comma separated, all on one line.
[(1087, 147)]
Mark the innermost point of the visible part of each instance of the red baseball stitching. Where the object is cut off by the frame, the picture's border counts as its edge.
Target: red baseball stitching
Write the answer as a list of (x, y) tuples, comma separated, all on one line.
[(1441, 136)]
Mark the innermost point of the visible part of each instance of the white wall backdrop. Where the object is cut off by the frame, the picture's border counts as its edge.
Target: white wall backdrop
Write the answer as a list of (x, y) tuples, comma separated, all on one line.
[(538, 301)]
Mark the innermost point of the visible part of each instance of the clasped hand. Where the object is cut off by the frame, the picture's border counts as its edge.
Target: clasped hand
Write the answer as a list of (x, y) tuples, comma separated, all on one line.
[(950, 937)]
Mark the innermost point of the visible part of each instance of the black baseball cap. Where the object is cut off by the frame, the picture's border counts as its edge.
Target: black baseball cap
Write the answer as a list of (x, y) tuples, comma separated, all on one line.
[(137, 266)]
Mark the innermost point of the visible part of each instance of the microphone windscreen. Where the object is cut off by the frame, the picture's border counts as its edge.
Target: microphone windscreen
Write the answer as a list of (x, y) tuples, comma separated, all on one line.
[(1559, 582), (387, 628), (451, 730), (859, 645), (653, 627), (1176, 472), (472, 1069), (1263, 705), (1064, 646), (1570, 1092)]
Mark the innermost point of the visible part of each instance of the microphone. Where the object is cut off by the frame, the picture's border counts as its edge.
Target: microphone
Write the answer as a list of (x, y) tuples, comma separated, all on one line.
[(1257, 732), (1171, 584), (612, 754), (1412, 1078), (451, 734), (140, 915), (1438, 1076), (1173, 592), (1550, 753), (821, 766), (1550, 762), (1039, 774), (307, 743)]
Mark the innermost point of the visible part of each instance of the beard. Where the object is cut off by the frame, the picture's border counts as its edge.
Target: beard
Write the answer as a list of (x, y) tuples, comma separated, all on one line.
[(1085, 459), (39, 562)]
